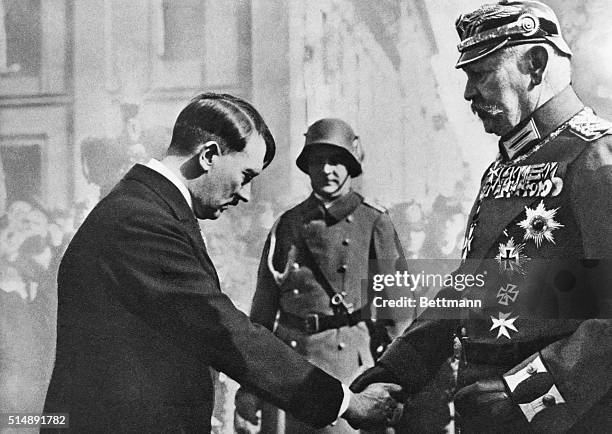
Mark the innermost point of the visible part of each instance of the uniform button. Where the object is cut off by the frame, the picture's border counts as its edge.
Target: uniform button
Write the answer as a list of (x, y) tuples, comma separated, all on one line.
[(349, 218), (342, 268), (346, 242), (531, 369), (549, 400), (293, 344), (341, 346), (296, 291)]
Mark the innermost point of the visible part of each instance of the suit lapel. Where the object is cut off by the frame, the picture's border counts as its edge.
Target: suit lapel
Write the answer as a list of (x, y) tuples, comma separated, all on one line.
[(195, 235), (167, 192)]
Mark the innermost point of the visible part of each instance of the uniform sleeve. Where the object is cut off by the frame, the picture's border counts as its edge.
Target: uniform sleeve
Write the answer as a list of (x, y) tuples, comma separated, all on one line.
[(159, 278), (388, 257), (592, 199), (559, 385), (415, 357), (267, 294)]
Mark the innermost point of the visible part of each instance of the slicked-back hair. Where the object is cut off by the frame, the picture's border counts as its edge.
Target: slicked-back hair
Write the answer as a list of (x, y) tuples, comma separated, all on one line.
[(228, 120)]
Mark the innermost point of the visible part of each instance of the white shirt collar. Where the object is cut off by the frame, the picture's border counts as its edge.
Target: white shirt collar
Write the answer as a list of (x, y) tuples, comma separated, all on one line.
[(163, 170)]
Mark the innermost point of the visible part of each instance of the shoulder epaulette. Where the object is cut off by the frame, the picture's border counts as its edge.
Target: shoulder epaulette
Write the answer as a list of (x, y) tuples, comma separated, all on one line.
[(588, 126), (372, 204)]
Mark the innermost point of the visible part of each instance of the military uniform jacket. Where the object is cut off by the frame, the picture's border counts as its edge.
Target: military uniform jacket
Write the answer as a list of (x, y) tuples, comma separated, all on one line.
[(541, 235), (141, 319), (339, 248)]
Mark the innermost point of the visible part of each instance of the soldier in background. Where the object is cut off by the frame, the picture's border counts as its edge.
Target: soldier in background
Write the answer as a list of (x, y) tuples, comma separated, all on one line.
[(318, 258), (537, 356)]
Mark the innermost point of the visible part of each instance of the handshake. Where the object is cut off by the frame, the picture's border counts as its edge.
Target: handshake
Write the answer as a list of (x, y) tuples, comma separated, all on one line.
[(377, 401), (378, 405)]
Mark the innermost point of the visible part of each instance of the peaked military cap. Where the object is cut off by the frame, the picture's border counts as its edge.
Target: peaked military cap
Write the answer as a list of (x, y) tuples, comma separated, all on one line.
[(492, 27)]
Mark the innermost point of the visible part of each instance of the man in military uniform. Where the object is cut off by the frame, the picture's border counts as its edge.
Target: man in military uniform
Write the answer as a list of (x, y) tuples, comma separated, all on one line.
[(317, 260), (537, 356)]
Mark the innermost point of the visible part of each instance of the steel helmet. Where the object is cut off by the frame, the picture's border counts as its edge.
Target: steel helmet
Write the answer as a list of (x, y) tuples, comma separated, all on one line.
[(335, 133)]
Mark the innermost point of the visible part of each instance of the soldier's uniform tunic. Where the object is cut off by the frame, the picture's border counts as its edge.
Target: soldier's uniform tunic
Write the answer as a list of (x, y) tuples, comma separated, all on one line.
[(541, 234), (337, 248)]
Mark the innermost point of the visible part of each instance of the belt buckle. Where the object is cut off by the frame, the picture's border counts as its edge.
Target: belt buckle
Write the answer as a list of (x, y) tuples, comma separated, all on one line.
[(337, 299), (312, 323)]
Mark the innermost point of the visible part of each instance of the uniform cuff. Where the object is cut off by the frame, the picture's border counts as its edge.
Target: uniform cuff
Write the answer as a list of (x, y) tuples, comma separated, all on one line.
[(533, 389)]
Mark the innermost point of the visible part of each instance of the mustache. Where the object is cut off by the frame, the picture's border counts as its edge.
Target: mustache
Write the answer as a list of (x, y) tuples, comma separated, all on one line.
[(488, 109), (235, 201)]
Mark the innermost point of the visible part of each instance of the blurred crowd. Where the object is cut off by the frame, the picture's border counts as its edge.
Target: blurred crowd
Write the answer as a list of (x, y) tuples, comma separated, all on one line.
[(435, 234)]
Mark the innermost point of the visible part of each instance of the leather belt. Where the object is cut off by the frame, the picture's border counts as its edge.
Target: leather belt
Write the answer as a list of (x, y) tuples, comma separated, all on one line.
[(316, 323)]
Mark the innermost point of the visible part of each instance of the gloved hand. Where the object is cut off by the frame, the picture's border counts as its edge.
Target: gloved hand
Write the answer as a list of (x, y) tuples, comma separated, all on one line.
[(485, 406), (376, 374), (248, 406)]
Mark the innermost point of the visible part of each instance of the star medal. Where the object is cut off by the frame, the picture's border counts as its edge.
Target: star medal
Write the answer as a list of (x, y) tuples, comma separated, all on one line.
[(504, 324), (511, 258), (507, 294), (539, 224)]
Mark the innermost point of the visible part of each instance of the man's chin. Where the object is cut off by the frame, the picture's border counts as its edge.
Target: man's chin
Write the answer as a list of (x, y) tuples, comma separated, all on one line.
[(490, 126), (329, 192)]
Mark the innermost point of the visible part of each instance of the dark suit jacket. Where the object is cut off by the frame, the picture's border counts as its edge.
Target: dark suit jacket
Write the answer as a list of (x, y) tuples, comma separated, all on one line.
[(141, 318)]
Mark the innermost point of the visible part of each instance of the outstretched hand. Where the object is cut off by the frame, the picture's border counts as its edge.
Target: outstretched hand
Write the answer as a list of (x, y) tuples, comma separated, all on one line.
[(376, 374), (485, 405), (377, 406)]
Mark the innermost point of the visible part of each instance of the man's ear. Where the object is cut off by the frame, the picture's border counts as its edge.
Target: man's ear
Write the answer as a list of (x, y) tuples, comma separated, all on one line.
[(537, 61), (200, 162), (208, 152)]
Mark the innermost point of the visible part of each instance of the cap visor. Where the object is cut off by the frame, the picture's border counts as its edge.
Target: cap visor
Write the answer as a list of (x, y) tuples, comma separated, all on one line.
[(560, 43), (477, 53)]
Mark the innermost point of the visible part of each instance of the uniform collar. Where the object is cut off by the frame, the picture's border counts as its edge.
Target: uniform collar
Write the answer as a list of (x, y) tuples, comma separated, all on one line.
[(540, 124), (342, 206)]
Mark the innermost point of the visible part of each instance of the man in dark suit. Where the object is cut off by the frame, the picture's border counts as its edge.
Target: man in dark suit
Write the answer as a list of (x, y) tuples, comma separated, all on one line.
[(140, 313), (537, 355)]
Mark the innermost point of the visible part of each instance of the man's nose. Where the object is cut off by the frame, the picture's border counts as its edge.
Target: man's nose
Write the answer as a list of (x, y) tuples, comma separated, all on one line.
[(244, 194), (327, 168), (469, 93)]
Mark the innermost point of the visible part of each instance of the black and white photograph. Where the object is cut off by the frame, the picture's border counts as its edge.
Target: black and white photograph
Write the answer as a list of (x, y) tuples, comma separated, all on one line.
[(305, 216)]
